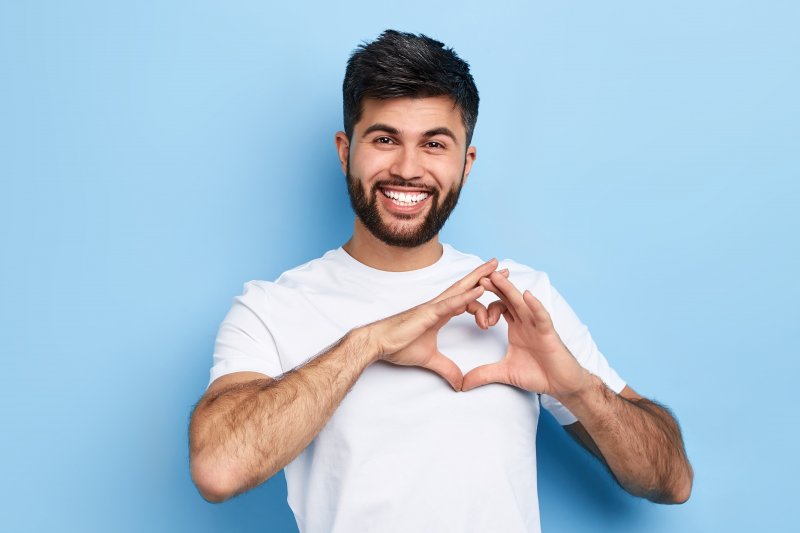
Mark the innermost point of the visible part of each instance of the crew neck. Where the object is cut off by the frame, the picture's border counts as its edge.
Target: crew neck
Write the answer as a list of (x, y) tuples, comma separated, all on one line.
[(354, 264)]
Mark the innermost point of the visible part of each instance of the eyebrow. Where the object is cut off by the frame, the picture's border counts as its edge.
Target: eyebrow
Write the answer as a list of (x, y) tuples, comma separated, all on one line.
[(381, 127), (394, 131), (441, 131)]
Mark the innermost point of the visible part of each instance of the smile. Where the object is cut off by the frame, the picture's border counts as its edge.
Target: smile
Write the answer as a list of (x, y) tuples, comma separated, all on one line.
[(404, 199)]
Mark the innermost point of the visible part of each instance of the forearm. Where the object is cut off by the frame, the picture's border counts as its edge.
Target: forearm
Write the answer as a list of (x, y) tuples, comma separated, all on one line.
[(247, 432), (640, 442)]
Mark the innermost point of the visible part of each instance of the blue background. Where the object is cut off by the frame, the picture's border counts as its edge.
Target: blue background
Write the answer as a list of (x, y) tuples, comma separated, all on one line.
[(157, 155)]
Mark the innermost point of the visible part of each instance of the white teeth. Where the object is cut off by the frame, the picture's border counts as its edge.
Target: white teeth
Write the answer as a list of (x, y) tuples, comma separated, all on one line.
[(401, 198)]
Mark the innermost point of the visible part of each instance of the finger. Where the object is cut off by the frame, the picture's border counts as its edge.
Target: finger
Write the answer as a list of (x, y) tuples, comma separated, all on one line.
[(509, 312), (445, 367), (484, 374), (512, 296), (540, 315), (496, 309), (504, 272), (481, 314), (455, 305), (487, 283), (470, 280)]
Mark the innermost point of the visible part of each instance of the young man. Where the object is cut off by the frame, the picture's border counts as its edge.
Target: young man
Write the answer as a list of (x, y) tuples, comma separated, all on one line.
[(425, 420)]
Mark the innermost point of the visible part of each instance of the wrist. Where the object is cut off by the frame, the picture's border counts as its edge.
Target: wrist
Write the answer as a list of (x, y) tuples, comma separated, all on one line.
[(586, 398), (364, 344)]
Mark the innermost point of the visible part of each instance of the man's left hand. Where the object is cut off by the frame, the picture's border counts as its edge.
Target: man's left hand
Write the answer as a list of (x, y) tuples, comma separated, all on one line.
[(537, 360)]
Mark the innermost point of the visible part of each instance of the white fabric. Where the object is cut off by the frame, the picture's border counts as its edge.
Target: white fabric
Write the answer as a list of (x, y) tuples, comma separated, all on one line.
[(403, 452)]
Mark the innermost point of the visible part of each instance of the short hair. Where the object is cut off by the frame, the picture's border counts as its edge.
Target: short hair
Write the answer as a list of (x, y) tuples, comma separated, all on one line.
[(398, 64)]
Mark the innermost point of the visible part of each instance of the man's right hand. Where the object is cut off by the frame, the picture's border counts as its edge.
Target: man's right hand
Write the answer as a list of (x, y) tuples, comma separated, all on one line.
[(246, 429), (409, 338)]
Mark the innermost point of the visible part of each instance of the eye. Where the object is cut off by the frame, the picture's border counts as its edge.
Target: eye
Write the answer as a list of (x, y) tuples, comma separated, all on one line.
[(383, 140), (434, 144)]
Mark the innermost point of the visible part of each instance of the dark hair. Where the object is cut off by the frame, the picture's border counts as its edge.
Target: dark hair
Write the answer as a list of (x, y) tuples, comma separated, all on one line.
[(400, 64)]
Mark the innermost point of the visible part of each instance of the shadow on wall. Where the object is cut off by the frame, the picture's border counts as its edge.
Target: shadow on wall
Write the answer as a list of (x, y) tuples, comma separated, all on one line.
[(573, 482)]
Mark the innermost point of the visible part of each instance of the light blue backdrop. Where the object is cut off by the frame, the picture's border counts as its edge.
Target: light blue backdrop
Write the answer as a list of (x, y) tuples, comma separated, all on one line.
[(157, 155)]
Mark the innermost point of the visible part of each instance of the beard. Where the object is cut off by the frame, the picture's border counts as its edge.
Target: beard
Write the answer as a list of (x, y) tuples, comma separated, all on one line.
[(366, 209)]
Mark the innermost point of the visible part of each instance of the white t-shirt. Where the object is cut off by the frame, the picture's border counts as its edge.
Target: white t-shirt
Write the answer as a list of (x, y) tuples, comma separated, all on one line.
[(403, 452)]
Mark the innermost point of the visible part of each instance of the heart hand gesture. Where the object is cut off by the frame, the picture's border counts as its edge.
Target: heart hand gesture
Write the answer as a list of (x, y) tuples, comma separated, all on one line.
[(537, 360), (410, 338)]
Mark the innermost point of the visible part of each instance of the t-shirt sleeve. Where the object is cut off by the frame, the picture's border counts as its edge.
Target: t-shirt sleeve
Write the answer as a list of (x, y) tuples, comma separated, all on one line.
[(578, 340), (244, 342)]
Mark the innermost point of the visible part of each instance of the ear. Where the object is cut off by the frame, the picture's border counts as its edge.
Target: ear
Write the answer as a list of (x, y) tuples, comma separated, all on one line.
[(469, 158), (343, 149)]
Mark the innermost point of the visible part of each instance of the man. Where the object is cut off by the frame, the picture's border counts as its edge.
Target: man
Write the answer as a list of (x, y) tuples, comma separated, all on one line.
[(425, 420)]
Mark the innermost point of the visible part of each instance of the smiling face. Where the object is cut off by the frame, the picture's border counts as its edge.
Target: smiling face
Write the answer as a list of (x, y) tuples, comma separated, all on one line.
[(405, 166)]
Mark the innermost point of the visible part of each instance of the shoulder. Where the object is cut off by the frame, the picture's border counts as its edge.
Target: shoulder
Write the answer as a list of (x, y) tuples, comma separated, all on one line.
[(302, 276), (312, 273)]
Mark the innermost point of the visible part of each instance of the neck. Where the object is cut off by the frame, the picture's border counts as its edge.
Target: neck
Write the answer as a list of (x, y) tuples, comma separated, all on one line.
[(365, 248)]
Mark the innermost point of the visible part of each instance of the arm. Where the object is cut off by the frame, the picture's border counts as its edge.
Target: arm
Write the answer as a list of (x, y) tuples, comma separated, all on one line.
[(639, 441), (247, 427), (244, 430)]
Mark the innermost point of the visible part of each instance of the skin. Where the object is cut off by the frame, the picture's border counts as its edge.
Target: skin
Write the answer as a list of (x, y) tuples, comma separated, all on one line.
[(639, 441), (419, 160), (248, 426)]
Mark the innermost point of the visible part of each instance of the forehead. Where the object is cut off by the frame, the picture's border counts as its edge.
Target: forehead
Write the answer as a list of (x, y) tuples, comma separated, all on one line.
[(412, 116)]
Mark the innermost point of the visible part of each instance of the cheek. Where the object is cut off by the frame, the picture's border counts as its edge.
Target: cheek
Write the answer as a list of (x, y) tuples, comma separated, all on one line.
[(447, 170), (369, 163)]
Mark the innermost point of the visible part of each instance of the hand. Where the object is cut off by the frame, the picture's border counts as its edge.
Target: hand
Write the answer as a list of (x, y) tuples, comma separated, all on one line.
[(409, 338), (537, 360)]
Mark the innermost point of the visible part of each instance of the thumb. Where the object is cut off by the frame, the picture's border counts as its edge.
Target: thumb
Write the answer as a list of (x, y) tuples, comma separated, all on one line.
[(445, 367), (485, 374)]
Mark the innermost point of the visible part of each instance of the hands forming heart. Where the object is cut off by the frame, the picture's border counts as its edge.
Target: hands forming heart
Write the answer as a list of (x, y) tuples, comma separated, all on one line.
[(536, 360)]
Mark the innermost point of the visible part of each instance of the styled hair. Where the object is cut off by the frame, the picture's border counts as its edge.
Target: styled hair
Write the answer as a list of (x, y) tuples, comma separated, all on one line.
[(398, 64)]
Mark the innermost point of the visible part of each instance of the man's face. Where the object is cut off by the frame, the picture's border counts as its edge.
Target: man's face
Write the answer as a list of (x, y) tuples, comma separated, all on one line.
[(405, 166)]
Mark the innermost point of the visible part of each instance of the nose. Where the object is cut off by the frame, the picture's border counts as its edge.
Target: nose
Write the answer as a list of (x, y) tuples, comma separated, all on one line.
[(407, 164)]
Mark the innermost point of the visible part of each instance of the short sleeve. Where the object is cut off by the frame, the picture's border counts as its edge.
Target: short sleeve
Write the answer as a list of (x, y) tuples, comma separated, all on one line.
[(578, 340), (244, 342)]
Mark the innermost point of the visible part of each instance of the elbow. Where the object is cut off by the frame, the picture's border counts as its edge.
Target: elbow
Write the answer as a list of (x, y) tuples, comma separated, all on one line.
[(213, 495), (213, 480), (682, 496), (684, 490), (677, 495), (670, 489), (679, 491), (218, 483), (212, 483)]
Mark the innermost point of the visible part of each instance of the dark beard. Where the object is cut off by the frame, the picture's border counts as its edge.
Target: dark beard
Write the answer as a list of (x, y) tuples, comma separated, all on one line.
[(366, 210)]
